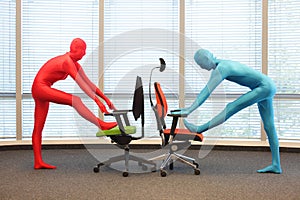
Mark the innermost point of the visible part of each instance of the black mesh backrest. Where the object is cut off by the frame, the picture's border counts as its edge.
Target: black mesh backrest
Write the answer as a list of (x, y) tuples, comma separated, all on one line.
[(138, 100)]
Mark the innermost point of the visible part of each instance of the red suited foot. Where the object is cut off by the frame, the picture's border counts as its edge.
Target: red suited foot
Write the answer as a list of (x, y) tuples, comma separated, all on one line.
[(107, 125), (42, 165)]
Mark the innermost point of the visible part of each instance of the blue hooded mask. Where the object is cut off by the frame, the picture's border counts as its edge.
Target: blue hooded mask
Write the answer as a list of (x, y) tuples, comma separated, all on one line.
[(205, 59)]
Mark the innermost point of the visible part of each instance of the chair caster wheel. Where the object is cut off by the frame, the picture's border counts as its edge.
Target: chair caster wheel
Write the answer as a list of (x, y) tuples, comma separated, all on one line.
[(125, 174), (171, 166), (163, 173), (96, 169), (196, 164), (153, 169), (197, 171)]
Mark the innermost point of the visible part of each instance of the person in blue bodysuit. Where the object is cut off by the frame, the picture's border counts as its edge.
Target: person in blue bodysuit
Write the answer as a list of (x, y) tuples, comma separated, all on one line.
[(262, 92)]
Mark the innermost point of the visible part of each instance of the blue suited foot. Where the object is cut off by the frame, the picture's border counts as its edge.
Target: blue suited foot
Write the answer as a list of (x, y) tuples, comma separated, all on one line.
[(271, 169), (190, 126)]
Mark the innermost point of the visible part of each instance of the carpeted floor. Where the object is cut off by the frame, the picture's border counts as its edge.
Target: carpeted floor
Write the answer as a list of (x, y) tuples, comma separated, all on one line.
[(224, 175)]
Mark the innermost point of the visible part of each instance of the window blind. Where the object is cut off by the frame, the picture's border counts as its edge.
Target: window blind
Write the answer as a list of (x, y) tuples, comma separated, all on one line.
[(284, 64), (133, 31), (48, 29), (230, 29), (138, 33), (8, 69)]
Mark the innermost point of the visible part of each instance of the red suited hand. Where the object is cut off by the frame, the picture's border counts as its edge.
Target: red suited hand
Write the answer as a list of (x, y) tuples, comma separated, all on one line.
[(110, 105), (102, 107)]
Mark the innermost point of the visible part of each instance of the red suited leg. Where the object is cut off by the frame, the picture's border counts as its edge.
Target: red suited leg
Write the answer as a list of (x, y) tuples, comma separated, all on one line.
[(41, 111), (37, 150)]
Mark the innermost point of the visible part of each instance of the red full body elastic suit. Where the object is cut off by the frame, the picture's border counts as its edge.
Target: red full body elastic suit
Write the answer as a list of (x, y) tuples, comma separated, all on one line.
[(58, 68)]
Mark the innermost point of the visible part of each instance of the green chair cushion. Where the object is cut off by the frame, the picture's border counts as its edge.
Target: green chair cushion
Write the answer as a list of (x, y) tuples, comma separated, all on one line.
[(116, 131)]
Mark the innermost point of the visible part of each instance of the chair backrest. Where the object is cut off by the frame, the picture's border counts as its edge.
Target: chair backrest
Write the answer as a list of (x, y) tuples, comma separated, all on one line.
[(161, 107), (138, 102), (161, 101)]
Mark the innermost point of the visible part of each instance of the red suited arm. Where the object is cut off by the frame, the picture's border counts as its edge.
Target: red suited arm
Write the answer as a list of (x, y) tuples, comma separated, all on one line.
[(76, 72), (90, 83), (95, 88)]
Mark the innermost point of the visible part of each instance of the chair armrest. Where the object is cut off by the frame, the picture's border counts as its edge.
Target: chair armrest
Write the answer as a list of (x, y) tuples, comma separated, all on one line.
[(175, 122), (177, 115), (117, 112)]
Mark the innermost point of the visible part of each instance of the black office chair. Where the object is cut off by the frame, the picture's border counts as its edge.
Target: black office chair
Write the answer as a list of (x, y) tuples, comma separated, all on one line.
[(174, 139), (122, 134)]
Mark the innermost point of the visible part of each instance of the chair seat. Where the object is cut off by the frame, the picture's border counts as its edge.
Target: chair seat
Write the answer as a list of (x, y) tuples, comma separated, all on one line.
[(185, 134), (116, 131)]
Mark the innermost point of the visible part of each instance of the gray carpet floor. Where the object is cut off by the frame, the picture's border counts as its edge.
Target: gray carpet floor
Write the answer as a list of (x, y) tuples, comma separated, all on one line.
[(224, 175)]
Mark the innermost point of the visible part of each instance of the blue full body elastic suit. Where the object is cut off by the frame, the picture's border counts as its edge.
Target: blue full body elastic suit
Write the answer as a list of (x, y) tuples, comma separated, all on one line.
[(262, 92)]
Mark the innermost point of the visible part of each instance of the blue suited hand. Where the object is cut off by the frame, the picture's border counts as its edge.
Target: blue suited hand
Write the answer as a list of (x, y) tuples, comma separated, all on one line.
[(181, 111)]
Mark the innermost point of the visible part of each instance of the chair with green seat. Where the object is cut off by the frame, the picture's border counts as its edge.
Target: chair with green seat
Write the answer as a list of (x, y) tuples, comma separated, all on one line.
[(116, 131), (122, 135)]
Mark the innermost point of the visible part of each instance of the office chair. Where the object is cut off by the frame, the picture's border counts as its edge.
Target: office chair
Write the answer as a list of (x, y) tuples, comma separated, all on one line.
[(122, 133), (175, 139)]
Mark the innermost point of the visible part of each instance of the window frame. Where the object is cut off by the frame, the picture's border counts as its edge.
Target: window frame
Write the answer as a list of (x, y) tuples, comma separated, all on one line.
[(20, 96)]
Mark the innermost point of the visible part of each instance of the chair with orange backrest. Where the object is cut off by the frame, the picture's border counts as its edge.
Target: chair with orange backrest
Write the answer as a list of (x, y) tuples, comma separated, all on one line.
[(174, 139)]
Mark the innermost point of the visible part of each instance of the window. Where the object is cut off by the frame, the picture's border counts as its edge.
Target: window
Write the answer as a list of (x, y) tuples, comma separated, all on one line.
[(48, 29), (231, 30), (138, 33), (8, 69), (284, 65), (132, 36)]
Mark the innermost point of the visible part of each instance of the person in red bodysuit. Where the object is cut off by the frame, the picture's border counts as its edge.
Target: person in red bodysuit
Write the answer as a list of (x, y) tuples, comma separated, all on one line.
[(58, 68)]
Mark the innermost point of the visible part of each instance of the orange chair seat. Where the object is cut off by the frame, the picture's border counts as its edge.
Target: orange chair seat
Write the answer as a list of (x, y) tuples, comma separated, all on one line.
[(187, 133)]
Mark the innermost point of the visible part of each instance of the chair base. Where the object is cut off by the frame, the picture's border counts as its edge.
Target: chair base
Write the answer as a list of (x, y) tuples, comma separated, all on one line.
[(170, 157), (127, 157)]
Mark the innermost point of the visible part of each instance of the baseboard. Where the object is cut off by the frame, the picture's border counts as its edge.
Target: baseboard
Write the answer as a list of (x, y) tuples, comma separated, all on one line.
[(147, 146)]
